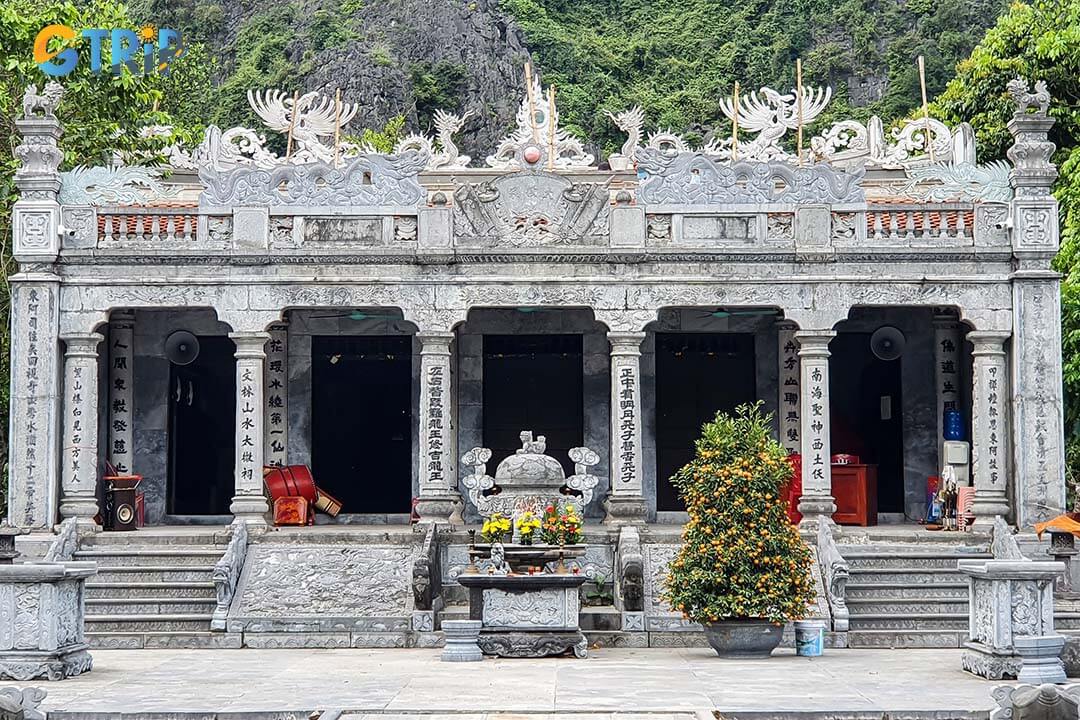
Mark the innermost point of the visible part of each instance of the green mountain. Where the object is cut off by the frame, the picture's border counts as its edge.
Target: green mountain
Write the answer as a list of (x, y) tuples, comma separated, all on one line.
[(674, 57)]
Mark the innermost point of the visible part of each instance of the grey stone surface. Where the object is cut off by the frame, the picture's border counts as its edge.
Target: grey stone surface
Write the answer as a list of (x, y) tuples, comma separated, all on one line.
[(461, 641), (1040, 660), (416, 681)]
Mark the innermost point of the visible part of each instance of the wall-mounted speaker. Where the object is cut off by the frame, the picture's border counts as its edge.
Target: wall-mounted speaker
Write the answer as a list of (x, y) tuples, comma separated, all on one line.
[(181, 347), (887, 343)]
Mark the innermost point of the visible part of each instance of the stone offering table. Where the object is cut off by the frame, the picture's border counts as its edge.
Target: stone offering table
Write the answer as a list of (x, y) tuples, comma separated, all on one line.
[(41, 620), (527, 615)]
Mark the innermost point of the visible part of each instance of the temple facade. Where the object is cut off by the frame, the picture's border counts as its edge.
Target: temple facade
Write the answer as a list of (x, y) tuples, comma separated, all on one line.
[(377, 316)]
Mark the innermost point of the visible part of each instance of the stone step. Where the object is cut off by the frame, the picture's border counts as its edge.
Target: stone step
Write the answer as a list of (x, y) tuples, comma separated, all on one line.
[(602, 618), (912, 606), (910, 621), (1067, 621), (177, 640), (908, 560), (905, 591), (906, 638), (201, 556), (165, 590), (154, 573), (158, 537), (128, 623), (904, 576), (149, 605)]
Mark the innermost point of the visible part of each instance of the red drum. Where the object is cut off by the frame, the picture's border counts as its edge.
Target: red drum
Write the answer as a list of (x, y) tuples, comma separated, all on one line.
[(290, 481)]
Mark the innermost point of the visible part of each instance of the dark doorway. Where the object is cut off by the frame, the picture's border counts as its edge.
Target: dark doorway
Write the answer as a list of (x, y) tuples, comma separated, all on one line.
[(533, 382), (866, 413), (697, 375), (202, 408), (361, 424)]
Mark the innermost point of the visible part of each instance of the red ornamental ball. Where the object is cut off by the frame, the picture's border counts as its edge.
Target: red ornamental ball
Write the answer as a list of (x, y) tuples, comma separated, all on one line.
[(532, 155)]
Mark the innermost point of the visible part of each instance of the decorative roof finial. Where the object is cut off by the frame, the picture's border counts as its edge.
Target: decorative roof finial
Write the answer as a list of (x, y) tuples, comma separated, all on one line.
[(1027, 101)]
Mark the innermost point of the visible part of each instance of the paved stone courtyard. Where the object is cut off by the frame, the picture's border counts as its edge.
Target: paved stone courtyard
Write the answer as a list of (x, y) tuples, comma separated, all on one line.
[(689, 682)]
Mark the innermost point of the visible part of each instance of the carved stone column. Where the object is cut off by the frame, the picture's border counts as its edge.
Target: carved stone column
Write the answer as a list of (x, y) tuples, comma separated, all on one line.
[(990, 425), (79, 459), (817, 503), (1037, 395), (439, 500), (276, 409), (249, 501), (34, 429), (626, 501), (788, 404), (121, 449), (946, 372)]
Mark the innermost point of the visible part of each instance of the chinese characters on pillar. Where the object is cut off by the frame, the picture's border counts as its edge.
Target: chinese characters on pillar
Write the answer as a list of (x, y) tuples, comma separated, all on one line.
[(249, 467), (32, 421), (993, 422), (121, 354), (435, 438), (276, 417), (817, 440), (628, 424), (946, 371), (790, 402), (75, 419)]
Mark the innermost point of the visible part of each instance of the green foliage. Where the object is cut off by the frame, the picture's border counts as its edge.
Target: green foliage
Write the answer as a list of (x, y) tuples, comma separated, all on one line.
[(382, 140), (436, 86), (100, 114), (1040, 41), (740, 557), (678, 57)]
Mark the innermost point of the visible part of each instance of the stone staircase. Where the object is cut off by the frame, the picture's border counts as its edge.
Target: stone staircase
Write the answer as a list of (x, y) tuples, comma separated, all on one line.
[(908, 594), (153, 589)]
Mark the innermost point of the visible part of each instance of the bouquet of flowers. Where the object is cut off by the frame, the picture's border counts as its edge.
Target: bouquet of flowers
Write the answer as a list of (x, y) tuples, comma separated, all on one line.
[(495, 528), (527, 524), (561, 526)]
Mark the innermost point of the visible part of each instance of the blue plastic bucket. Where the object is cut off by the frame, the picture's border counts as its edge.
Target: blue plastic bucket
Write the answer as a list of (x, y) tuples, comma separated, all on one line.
[(809, 638)]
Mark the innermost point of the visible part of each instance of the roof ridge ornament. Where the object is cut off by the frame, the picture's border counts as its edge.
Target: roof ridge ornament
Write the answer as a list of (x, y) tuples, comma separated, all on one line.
[(538, 124)]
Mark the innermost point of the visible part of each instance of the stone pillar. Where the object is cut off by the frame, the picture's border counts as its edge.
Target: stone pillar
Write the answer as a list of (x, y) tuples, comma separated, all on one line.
[(946, 372), (816, 503), (788, 403), (121, 448), (276, 410), (79, 459), (34, 427), (990, 425), (34, 433), (1037, 395), (439, 500), (249, 500), (626, 501)]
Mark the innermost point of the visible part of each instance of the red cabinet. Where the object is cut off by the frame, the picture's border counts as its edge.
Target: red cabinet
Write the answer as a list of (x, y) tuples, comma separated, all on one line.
[(855, 490)]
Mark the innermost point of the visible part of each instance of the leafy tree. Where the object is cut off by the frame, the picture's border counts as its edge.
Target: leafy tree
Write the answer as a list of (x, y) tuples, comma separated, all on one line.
[(100, 114), (740, 557), (1039, 41)]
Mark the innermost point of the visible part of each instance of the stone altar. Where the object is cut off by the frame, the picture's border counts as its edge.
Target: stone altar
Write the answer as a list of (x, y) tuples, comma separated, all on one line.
[(41, 620), (527, 615)]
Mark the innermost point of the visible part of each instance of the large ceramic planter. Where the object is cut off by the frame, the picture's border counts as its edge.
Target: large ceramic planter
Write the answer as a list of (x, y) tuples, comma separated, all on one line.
[(750, 638)]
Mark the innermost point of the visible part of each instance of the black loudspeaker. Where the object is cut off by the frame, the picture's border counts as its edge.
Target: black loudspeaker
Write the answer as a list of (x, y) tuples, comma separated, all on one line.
[(181, 348), (887, 343), (120, 503)]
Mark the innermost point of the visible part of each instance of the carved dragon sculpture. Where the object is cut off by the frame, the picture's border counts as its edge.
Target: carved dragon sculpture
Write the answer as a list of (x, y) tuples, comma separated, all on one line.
[(630, 122)]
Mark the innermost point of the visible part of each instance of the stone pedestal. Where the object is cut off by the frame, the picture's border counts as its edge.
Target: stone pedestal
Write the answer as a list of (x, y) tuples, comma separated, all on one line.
[(79, 460), (462, 638), (249, 502), (1040, 659), (41, 620), (626, 501), (527, 615), (1008, 599), (817, 503)]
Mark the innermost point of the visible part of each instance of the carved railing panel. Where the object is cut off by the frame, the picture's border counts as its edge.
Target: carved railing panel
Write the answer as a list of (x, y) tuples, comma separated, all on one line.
[(906, 225), (834, 574), (227, 574)]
